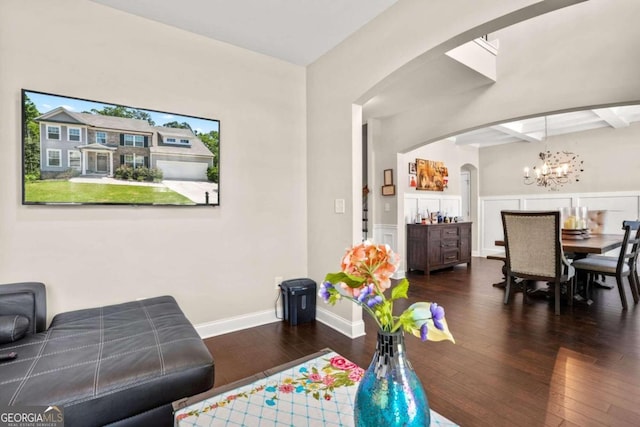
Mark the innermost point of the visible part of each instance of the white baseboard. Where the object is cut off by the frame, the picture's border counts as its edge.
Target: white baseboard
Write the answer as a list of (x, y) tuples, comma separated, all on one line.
[(350, 329), (251, 320), (236, 323)]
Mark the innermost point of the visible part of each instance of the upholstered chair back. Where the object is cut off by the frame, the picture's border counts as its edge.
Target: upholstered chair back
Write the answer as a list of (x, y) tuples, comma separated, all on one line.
[(596, 220), (532, 242)]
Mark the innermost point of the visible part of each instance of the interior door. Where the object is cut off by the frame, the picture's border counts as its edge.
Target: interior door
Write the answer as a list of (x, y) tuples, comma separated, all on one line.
[(465, 192)]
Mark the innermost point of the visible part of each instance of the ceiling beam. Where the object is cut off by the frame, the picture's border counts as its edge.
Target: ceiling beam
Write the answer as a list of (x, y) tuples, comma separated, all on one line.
[(612, 119), (514, 130)]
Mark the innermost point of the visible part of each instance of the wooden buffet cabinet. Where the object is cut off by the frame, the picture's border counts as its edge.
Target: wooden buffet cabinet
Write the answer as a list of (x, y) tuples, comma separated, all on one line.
[(435, 246)]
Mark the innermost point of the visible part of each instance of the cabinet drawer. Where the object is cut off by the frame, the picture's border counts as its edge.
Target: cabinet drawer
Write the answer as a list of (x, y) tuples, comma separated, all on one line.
[(449, 243), (450, 255), (451, 231)]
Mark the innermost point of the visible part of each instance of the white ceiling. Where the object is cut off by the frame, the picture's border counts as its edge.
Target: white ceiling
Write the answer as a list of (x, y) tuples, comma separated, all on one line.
[(300, 31), (297, 31)]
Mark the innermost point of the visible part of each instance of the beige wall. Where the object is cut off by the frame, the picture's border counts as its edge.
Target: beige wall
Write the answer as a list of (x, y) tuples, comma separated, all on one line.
[(217, 262), (584, 54), (609, 156)]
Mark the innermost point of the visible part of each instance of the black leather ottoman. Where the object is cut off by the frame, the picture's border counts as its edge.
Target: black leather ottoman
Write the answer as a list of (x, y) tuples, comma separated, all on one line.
[(122, 364)]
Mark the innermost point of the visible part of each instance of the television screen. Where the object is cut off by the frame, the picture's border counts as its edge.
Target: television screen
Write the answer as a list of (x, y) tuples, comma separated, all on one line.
[(77, 152)]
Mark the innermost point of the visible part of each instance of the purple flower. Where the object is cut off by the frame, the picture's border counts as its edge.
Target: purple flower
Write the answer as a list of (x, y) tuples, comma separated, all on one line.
[(324, 292), (423, 332), (373, 301), (437, 314), (365, 292)]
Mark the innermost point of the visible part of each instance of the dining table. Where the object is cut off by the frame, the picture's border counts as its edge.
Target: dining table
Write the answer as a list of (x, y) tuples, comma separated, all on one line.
[(597, 244)]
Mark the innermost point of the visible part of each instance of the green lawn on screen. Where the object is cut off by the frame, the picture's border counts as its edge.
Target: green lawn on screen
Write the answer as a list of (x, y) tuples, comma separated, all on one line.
[(75, 192)]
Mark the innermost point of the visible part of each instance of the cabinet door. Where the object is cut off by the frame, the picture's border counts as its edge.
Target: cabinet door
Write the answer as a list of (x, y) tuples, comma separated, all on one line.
[(416, 247), (434, 259), (465, 242)]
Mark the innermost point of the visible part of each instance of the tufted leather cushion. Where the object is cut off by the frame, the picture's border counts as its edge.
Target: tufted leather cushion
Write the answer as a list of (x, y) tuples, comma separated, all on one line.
[(596, 221), (108, 364), (13, 328)]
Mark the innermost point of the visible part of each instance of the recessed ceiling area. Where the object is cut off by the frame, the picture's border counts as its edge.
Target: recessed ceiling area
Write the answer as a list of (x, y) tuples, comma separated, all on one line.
[(296, 31), (533, 130)]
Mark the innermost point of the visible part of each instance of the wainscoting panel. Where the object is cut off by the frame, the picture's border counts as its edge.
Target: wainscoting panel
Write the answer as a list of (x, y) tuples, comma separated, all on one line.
[(430, 202), (547, 203), (620, 206), (386, 234), (618, 209), (491, 222)]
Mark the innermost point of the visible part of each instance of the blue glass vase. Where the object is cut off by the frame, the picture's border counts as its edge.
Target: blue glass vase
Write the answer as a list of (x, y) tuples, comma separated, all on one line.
[(390, 393)]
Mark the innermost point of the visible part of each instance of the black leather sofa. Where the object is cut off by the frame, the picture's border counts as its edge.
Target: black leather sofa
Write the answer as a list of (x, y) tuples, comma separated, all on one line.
[(120, 365)]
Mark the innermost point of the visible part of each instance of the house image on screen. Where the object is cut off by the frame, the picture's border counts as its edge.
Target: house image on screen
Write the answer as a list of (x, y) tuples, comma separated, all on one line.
[(96, 145)]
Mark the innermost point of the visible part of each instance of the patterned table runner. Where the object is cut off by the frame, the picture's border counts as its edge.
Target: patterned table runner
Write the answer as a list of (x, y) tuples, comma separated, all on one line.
[(317, 392)]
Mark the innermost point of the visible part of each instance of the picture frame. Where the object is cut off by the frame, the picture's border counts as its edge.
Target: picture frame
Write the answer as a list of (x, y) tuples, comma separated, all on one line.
[(388, 177), (77, 151), (412, 168), (388, 190), (432, 175)]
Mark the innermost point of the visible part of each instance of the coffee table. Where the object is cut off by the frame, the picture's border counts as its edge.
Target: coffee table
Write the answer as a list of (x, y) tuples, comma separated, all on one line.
[(316, 390)]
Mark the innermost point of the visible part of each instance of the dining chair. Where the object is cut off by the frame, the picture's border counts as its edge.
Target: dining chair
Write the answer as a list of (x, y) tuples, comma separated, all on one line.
[(595, 224), (624, 265), (534, 252), (596, 221)]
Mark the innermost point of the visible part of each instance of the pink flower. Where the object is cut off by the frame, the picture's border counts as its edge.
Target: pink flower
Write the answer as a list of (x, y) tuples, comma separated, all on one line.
[(328, 380), (340, 362), (286, 388), (356, 374), (315, 377)]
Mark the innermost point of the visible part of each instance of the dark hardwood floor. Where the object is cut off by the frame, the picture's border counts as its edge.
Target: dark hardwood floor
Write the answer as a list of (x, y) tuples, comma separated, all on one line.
[(512, 365)]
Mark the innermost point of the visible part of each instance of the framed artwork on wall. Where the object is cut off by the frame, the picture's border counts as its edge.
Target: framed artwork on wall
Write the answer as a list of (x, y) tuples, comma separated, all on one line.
[(388, 177), (77, 151), (412, 168), (388, 190), (432, 175)]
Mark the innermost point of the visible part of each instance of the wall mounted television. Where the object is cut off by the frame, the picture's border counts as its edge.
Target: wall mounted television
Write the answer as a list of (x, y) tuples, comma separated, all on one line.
[(81, 152)]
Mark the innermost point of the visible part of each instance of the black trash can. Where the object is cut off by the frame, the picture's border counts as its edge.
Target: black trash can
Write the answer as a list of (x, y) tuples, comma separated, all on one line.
[(298, 300)]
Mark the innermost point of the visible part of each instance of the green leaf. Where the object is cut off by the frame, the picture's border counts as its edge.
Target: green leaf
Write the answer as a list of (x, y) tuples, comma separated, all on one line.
[(401, 290), (342, 277)]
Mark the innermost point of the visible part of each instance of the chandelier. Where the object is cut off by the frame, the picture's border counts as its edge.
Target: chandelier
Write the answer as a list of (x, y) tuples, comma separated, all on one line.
[(557, 169)]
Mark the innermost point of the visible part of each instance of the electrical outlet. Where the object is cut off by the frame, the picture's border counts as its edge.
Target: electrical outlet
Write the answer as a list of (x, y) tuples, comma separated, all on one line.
[(277, 280)]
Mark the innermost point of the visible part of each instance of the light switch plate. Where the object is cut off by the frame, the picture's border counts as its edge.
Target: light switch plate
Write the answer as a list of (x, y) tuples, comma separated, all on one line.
[(339, 206)]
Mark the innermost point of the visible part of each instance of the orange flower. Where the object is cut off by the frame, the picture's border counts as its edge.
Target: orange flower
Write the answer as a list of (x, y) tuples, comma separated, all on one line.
[(373, 263)]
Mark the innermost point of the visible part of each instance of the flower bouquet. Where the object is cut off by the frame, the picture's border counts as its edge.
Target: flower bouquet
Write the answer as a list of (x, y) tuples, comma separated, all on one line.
[(366, 275), (390, 392)]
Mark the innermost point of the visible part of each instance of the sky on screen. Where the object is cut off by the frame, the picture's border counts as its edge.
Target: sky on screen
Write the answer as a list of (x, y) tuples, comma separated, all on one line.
[(45, 103)]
